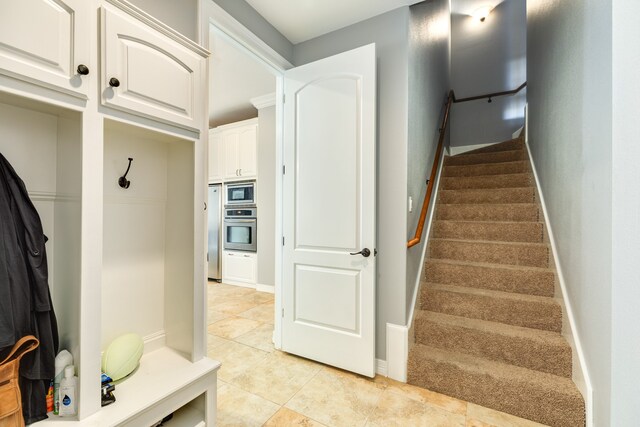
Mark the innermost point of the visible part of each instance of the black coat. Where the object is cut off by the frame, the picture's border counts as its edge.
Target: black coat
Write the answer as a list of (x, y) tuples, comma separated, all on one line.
[(25, 300)]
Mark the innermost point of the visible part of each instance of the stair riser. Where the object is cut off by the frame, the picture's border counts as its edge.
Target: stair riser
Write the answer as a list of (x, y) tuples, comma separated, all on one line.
[(487, 169), (526, 232), (497, 157), (490, 181), (541, 283), (499, 196), (514, 144), (551, 358), (543, 405), (517, 254), (535, 315), (516, 212)]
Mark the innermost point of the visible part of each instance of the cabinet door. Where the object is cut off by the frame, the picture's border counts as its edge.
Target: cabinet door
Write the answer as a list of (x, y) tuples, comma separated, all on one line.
[(247, 155), (45, 41), (215, 157), (155, 76), (230, 141), (239, 267)]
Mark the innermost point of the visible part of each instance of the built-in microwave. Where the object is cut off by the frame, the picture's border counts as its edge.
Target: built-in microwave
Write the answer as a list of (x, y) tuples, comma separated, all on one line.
[(240, 193)]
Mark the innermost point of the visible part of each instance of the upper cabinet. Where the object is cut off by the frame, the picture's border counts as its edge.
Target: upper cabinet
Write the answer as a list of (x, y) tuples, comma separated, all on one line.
[(150, 70), (47, 42), (237, 148)]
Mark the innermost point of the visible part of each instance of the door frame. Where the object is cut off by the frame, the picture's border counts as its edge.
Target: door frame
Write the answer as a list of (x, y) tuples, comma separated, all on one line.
[(212, 16)]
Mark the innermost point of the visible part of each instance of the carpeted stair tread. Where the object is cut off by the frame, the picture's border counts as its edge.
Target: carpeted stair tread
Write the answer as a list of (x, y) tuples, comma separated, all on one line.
[(516, 180), (528, 311), (512, 144), (496, 157), (489, 212), (510, 253), (537, 396), (523, 280), (488, 195), (543, 351), (518, 166), (503, 231)]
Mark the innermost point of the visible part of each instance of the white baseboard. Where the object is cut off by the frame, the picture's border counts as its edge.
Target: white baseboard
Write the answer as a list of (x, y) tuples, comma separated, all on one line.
[(584, 383), (265, 288), (154, 341), (397, 351), (381, 367)]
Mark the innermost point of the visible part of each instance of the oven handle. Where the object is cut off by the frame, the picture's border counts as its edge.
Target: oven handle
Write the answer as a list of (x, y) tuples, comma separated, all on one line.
[(239, 220)]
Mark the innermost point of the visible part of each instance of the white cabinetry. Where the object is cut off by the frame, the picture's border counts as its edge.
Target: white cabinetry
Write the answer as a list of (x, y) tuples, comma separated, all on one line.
[(240, 268), (147, 72), (45, 42), (239, 144), (215, 157), (120, 260)]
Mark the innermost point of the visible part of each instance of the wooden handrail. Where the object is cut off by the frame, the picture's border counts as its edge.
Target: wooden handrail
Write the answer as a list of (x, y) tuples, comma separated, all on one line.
[(492, 95), (434, 170)]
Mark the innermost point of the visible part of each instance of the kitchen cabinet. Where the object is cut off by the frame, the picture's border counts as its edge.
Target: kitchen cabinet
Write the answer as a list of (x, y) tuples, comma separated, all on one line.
[(120, 259), (47, 43), (239, 144), (240, 268), (215, 157)]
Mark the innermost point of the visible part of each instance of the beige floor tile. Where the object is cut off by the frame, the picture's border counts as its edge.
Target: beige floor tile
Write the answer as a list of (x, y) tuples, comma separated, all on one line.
[(239, 408), (277, 377), (476, 423), (220, 384), (213, 316), (235, 358), (233, 306), (286, 417), (395, 410), (222, 289), (429, 397), (214, 341), (337, 399), (496, 418), (263, 313), (261, 338), (232, 327), (260, 297)]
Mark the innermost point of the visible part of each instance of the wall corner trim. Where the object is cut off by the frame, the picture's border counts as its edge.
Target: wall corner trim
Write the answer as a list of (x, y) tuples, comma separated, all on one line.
[(397, 351), (264, 101)]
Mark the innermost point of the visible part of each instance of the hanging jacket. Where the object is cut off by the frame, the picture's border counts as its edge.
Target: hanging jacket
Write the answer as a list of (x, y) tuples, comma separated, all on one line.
[(25, 299)]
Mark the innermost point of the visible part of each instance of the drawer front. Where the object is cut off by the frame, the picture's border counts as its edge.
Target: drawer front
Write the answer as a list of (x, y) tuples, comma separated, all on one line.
[(156, 77), (44, 41)]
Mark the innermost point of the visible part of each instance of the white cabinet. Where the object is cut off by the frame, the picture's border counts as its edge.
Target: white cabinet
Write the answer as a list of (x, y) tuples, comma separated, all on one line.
[(147, 71), (46, 41), (239, 268), (215, 157), (239, 143)]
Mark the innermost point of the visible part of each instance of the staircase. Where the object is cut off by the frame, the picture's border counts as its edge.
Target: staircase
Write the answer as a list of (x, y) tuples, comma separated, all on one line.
[(487, 326)]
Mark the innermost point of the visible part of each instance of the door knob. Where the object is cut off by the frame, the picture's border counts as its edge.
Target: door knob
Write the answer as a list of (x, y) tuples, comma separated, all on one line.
[(365, 253), (113, 82), (83, 70)]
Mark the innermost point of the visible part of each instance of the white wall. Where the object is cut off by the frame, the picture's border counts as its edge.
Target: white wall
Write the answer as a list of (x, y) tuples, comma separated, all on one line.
[(488, 57), (266, 194), (390, 33), (570, 133), (625, 322), (429, 35), (181, 15)]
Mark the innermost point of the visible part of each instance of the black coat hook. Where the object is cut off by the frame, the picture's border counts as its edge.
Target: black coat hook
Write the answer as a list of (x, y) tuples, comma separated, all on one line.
[(123, 181)]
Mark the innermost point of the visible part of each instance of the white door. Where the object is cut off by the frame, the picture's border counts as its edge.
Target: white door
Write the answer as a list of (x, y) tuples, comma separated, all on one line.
[(328, 294)]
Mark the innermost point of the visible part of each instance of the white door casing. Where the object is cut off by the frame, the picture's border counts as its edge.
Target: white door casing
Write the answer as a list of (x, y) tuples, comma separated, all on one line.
[(329, 210)]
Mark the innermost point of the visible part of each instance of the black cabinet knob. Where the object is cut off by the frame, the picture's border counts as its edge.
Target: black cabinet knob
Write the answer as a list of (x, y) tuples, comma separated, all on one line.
[(83, 70), (113, 82)]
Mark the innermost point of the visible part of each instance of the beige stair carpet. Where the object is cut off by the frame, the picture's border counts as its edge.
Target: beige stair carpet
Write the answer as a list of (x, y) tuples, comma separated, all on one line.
[(487, 326)]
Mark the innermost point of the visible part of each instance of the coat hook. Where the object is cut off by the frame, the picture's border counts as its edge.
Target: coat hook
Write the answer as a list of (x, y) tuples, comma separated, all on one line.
[(123, 181)]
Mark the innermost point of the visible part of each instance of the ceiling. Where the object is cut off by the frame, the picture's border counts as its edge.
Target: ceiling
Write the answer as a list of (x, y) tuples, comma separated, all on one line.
[(235, 77), (301, 20)]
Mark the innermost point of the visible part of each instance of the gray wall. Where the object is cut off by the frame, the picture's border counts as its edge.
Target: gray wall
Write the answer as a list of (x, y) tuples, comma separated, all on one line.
[(429, 35), (625, 376), (182, 15), (390, 33), (570, 133), (247, 16), (266, 195), (488, 57)]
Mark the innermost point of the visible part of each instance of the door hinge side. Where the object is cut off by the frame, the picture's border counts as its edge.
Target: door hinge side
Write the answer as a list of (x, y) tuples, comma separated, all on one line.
[(282, 240), (283, 312), (284, 98), (284, 169)]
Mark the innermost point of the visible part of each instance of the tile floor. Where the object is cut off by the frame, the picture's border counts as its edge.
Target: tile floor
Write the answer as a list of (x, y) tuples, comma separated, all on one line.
[(261, 386)]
